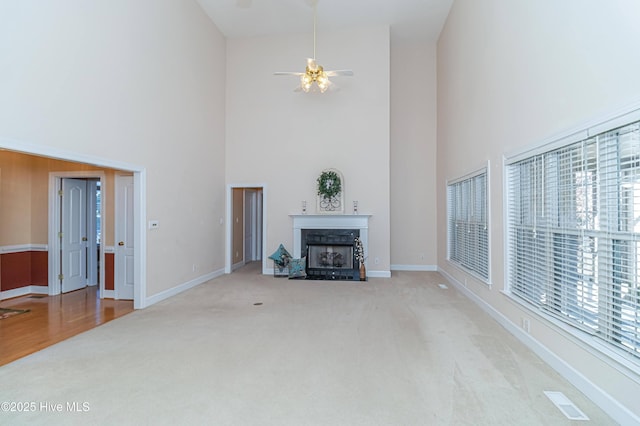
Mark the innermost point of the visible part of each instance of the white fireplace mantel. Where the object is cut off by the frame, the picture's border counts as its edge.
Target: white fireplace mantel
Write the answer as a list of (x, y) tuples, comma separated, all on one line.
[(330, 221)]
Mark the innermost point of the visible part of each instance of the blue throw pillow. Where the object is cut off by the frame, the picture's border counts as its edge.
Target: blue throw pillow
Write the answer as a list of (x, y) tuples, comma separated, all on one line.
[(281, 256), (298, 268)]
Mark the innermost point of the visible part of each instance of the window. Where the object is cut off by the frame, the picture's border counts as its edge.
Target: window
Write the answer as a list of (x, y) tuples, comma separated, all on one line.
[(467, 224), (573, 229)]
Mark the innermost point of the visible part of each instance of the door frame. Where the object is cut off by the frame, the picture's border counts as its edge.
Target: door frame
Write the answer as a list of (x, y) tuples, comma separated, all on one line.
[(228, 260), (93, 262), (55, 179), (139, 208)]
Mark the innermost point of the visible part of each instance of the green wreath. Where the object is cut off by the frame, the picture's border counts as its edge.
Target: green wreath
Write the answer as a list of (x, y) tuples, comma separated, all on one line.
[(329, 184)]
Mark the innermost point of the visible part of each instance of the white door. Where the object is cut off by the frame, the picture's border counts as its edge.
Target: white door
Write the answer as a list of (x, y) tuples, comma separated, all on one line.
[(124, 260), (74, 235), (249, 228), (253, 225), (258, 232)]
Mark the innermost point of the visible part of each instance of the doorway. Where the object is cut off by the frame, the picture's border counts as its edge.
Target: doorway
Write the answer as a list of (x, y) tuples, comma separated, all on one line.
[(252, 224), (79, 231), (246, 225), (75, 223), (139, 208)]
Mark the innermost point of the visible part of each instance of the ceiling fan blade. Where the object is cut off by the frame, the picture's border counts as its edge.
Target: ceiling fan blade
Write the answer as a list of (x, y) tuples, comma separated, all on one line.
[(288, 73), (339, 72)]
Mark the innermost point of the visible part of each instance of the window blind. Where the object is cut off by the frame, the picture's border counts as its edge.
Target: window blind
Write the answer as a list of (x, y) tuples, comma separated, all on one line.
[(573, 232), (468, 236)]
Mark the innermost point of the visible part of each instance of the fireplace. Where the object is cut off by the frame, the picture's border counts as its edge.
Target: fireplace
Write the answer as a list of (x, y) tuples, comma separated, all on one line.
[(330, 253), (333, 258)]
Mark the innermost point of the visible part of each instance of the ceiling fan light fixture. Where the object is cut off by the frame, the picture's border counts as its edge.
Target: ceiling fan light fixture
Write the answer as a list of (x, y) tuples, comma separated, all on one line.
[(306, 81), (314, 74), (323, 82), (315, 77)]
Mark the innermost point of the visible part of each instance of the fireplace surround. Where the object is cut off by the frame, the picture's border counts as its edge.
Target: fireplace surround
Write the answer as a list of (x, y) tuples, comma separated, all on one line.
[(328, 243)]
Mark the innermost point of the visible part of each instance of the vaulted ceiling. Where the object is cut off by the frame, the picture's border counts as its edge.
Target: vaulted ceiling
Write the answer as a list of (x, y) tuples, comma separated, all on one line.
[(408, 19)]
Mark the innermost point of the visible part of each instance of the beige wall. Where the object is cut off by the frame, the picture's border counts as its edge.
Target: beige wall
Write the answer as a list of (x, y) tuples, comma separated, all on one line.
[(24, 197), (413, 155), (15, 199), (510, 75), (285, 139), (140, 82)]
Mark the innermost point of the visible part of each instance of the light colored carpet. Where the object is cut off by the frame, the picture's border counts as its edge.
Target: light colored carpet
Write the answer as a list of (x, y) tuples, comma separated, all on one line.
[(399, 351)]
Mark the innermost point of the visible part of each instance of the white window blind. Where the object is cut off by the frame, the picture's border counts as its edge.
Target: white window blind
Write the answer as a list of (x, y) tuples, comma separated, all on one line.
[(468, 235), (574, 234)]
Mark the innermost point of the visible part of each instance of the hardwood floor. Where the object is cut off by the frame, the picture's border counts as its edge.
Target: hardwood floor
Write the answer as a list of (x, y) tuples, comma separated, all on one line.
[(54, 318)]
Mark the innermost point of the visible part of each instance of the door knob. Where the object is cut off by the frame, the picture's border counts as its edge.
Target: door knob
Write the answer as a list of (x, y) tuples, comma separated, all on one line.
[(121, 243), (84, 238)]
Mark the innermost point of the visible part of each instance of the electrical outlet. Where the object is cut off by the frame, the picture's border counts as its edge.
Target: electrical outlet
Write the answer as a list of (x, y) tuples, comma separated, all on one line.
[(526, 325), (376, 261), (194, 268)]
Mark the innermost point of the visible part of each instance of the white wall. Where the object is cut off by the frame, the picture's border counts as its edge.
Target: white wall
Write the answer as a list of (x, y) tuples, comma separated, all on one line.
[(413, 155), (140, 82), (510, 75), (285, 139)]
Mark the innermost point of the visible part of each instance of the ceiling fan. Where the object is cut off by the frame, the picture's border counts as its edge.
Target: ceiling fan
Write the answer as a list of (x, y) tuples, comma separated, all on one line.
[(314, 77)]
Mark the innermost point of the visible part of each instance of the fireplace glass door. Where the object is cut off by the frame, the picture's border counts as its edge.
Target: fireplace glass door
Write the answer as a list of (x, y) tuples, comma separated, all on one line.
[(330, 256)]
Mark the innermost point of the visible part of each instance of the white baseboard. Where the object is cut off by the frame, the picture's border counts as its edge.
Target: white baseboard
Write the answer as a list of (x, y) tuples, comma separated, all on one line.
[(182, 287), (108, 294), (238, 265), (19, 248), (427, 268), (378, 274), (22, 291), (602, 399)]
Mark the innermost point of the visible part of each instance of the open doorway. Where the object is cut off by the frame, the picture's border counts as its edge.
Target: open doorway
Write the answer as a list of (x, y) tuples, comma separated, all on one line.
[(245, 226), (79, 233), (76, 214), (33, 183), (43, 156), (75, 223), (252, 224)]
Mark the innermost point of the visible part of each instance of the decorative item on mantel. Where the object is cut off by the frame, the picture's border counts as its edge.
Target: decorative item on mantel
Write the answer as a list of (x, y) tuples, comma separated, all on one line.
[(360, 258), (330, 191)]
